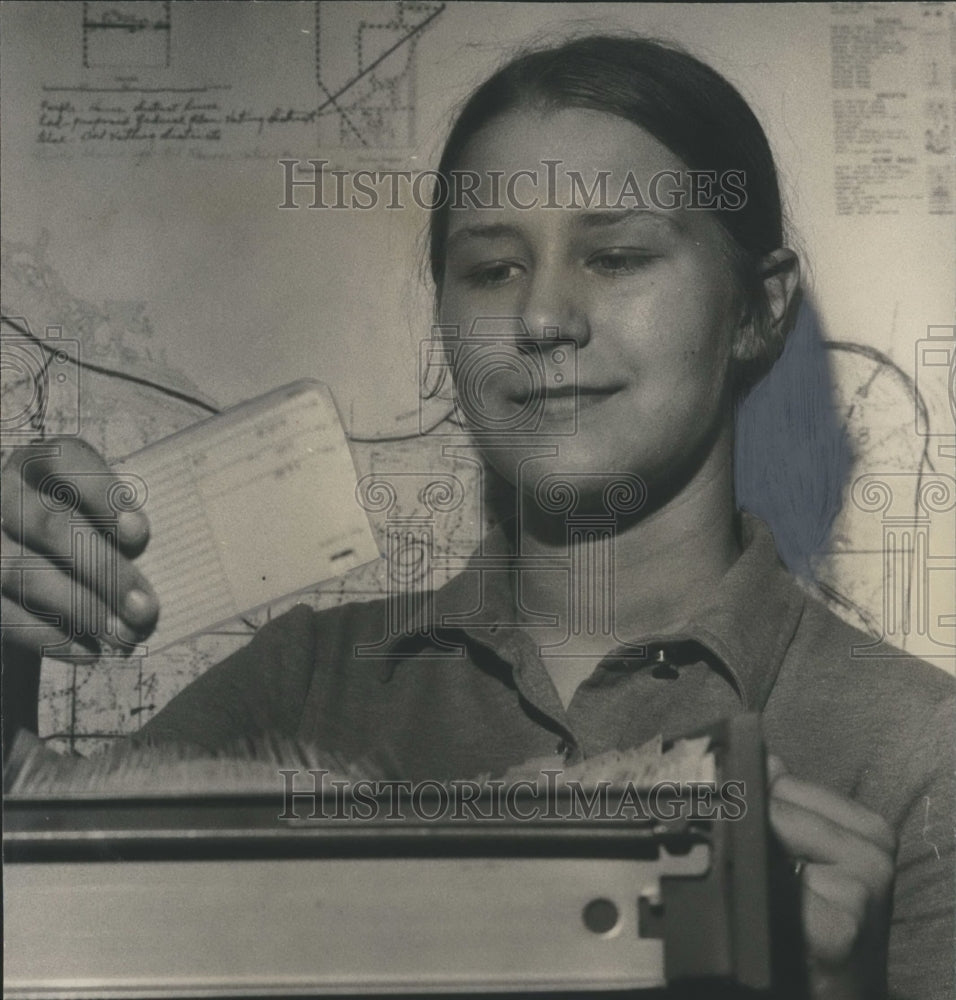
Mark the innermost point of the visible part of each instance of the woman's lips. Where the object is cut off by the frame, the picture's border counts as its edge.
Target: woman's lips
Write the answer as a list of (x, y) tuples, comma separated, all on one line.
[(567, 396)]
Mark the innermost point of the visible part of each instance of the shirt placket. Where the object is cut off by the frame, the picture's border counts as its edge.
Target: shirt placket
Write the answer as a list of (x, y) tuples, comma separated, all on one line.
[(542, 705)]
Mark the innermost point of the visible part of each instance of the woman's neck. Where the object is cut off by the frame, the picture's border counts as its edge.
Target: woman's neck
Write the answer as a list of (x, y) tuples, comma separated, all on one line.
[(651, 574)]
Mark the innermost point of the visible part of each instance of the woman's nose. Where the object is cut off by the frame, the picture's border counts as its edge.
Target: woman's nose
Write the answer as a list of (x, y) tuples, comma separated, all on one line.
[(555, 306)]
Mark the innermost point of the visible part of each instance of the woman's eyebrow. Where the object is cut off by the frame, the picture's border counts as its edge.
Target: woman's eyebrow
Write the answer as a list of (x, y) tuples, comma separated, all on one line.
[(585, 219), (615, 216), (483, 231)]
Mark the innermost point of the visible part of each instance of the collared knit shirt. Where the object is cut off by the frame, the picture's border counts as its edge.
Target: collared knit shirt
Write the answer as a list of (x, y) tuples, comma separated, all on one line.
[(456, 687)]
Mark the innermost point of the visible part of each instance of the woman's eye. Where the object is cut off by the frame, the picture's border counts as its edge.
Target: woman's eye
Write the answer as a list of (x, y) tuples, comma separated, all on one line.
[(489, 275), (620, 262)]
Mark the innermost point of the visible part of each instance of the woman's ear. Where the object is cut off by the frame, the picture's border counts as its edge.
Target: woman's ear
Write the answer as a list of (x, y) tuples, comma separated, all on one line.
[(763, 331), (433, 375), (780, 274)]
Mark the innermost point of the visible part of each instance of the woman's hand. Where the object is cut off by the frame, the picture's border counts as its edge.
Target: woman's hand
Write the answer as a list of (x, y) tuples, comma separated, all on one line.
[(56, 604), (847, 855)]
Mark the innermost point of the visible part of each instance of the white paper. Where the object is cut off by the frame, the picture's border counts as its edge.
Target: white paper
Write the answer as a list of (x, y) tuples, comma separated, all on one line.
[(248, 507)]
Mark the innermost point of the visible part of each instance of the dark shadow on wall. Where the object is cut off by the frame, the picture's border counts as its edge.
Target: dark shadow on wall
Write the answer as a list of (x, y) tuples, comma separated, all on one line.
[(794, 456)]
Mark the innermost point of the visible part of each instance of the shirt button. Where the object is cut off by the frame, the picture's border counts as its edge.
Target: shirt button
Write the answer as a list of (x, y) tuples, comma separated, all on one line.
[(663, 668)]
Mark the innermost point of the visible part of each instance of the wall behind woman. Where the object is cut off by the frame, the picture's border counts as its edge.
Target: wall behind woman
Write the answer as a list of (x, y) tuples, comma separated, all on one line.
[(169, 256), (242, 294)]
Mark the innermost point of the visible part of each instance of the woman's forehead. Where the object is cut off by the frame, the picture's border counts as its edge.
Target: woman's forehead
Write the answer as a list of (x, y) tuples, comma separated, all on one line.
[(601, 171), (565, 142)]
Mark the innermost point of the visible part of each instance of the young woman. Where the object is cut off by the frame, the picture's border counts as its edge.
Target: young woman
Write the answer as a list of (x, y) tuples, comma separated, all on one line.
[(654, 253)]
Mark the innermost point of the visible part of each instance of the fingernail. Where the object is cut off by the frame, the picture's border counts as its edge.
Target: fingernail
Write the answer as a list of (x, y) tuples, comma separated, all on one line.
[(133, 527), (775, 769), (123, 643), (126, 637), (139, 607)]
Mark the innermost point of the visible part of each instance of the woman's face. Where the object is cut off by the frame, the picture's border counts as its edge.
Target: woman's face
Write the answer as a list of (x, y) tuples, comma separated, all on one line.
[(645, 298)]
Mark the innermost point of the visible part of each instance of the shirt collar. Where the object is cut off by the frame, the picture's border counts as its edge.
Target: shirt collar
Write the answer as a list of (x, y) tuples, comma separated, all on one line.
[(748, 624), (750, 621)]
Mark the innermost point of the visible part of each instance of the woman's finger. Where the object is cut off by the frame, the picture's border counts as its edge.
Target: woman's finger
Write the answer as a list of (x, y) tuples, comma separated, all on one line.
[(34, 634), (817, 838), (106, 573), (53, 597), (845, 936), (775, 769), (67, 476), (837, 809), (834, 912)]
